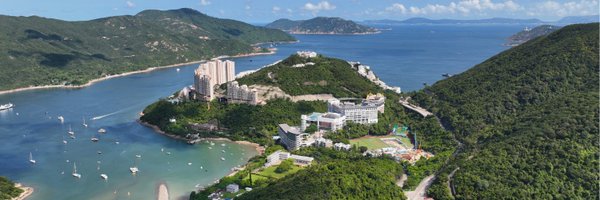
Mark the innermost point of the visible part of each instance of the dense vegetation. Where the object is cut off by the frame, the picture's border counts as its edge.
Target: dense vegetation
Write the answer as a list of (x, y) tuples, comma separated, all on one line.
[(528, 119), (8, 189), (326, 76), (526, 35), (42, 51), (321, 25), (240, 121), (339, 175)]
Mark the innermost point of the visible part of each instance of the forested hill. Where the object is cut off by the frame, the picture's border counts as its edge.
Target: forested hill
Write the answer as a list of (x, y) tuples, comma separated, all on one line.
[(528, 119), (42, 51), (321, 25)]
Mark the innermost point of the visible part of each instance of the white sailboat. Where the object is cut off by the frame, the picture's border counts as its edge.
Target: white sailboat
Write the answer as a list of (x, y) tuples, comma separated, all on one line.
[(75, 174), (104, 176), (134, 169), (101, 130), (84, 124), (31, 160), (71, 132)]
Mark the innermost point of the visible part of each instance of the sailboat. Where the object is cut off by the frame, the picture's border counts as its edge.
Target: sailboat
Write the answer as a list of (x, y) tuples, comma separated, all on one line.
[(84, 124), (101, 130), (104, 176), (61, 119), (95, 139), (31, 160), (75, 174), (71, 132)]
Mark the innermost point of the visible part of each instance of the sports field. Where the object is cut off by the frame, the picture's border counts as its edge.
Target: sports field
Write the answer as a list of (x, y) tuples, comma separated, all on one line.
[(370, 143)]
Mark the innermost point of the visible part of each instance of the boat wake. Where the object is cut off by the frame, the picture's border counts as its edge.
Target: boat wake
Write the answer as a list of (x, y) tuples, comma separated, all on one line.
[(103, 116)]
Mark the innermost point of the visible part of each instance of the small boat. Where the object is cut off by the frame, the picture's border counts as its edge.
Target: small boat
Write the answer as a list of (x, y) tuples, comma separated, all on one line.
[(6, 106), (212, 144), (162, 149), (209, 147), (65, 142), (104, 176), (99, 152), (31, 160), (61, 119), (71, 132), (134, 170), (72, 136), (101, 130), (95, 139), (222, 158), (84, 124), (222, 145), (138, 156), (189, 163), (223, 151), (75, 174), (168, 153), (178, 69), (201, 167), (447, 75)]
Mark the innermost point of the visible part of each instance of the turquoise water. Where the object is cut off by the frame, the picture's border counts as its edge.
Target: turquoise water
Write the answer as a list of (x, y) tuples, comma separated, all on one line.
[(406, 56)]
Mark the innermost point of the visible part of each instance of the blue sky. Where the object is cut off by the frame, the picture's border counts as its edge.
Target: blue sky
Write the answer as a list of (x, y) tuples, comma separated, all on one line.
[(254, 11)]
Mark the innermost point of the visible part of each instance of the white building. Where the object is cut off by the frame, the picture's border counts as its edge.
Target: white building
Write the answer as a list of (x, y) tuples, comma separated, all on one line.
[(277, 157), (364, 113), (307, 54), (233, 188), (203, 85), (241, 94), (341, 146), (327, 121)]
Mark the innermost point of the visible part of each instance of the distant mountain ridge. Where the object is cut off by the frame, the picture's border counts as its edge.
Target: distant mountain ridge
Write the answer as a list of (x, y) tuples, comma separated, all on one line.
[(38, 51), (421, 20), (321, 25)]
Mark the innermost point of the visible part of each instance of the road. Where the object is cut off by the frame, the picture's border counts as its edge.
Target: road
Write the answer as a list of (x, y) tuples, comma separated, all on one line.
[(417, 109), (420, 192)]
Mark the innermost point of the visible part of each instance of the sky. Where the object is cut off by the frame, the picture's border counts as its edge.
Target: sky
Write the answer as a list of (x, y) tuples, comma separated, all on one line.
[(262, 11)]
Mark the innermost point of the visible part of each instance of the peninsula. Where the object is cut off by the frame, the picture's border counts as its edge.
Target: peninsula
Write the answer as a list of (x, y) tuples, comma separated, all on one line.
[(322, 25), (64, 53), (529, 34)]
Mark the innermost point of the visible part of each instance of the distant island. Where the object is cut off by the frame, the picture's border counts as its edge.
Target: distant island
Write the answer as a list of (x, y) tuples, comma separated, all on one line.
[(321, 25), (421, 20), (528, 34), (38, 51)]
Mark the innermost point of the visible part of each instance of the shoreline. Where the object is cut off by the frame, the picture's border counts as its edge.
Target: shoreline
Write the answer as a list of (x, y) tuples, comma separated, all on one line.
[(93, 81), (256, 146), (27, 191)]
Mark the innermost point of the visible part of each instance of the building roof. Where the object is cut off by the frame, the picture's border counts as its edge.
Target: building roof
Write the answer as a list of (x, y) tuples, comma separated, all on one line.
[(290, 129), (304, 158)]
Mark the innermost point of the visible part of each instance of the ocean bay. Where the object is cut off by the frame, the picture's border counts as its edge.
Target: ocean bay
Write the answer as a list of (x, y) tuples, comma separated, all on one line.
[(406, 56)]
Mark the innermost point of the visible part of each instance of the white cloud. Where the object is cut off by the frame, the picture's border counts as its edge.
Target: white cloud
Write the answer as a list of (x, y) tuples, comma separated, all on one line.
[(582, 7), (276, 9), (464, 7), (204, 2), (130, 4), (315, 8), (247, 7), (290, 11)]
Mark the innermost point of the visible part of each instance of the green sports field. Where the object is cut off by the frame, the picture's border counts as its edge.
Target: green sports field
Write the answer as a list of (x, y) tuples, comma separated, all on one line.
[(370, 143)]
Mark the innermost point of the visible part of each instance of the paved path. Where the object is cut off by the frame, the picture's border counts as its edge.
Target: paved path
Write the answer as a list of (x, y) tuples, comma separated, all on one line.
[(420, 192), (417, 109)]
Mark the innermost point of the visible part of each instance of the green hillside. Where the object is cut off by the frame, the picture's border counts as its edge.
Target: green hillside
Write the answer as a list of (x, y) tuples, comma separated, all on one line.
[(528, 119), (8, 189), (42, 51), (326, 76), (321, 25)]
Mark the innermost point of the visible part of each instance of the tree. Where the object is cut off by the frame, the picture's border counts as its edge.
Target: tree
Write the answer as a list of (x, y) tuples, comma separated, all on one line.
[(285, 166), (363, 149), (311, 128)]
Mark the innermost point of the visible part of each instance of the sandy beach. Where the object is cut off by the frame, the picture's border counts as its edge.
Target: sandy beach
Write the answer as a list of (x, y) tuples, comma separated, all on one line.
[(27, 192), (163, 192), (91, 82)]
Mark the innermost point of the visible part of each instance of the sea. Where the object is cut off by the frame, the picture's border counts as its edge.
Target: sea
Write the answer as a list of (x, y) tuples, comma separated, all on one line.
[(408, 56)]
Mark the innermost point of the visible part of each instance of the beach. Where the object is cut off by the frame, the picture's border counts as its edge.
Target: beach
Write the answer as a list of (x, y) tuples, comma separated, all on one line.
[(163, 192), (27, 191), (91, 82)]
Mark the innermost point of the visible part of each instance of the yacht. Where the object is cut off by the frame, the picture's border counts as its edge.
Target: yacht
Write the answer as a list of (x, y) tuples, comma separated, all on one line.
[(101, 130), (6, 106), (138, 156), (95, 139), (222, 158), (134, 170), (104, 176), (71, 132), (61, 119), (75, 174), (31, 160)]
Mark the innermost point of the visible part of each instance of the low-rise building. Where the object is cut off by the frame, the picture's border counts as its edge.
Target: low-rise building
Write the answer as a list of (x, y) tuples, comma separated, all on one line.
[(277, 157), (325, 121), (241, 94), (363, 113), (307, 54), (341, 146), (232, 188), (322, 142)]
